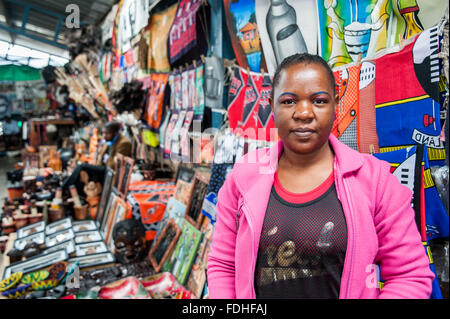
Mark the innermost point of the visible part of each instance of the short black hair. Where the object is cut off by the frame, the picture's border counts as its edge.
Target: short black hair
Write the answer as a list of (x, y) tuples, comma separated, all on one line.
[(113, 126), (304, 58)]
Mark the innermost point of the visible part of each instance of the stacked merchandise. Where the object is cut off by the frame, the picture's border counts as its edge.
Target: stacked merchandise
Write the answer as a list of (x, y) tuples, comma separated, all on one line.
[(193, 103)]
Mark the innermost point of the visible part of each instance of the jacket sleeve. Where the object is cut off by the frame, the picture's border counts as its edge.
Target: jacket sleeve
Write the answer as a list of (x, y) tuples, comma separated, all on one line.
[(404, 265), (221, 263)]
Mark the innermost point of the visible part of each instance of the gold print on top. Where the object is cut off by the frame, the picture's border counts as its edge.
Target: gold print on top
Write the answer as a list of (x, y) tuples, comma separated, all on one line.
[(271, 256), (286, 254)]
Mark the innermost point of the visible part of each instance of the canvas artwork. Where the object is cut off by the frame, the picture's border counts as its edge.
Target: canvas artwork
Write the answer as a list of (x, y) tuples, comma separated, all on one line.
[(197, 277), (164, 244), (194, 207), (286, 27), (245, 39), (180, 262), (184, 184)]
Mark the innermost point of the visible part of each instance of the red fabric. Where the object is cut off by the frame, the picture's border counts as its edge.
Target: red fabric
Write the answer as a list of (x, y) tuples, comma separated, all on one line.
[(393, 89), (155, 106), (236, 97), (301, 198)]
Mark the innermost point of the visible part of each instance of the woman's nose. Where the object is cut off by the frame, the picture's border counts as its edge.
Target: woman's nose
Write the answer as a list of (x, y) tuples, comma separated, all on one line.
[(303, 111)]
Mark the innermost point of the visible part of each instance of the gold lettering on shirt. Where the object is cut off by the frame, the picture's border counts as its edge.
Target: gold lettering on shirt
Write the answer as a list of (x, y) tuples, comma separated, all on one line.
[(286, 254)]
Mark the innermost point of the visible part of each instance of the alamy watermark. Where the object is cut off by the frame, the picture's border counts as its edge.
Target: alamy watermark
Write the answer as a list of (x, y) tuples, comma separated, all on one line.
[(73, 19)]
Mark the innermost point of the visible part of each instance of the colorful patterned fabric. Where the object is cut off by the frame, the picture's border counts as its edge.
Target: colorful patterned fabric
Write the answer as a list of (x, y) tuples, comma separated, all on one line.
[(148, 200), (160, 24), (407, 110), (345, 126), (431, 217), (183, 35), (155, 101), (403, 163), (367, 126), (244, 34)]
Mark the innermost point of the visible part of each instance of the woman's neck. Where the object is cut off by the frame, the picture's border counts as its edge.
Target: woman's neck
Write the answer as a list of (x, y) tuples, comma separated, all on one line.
[(302, 162)]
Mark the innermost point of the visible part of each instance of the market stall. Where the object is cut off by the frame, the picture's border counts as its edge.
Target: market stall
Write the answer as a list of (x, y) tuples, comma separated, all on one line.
[(189, 83)]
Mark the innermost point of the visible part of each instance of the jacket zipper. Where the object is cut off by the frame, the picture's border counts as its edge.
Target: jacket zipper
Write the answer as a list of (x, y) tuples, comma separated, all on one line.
[(252, 270), (341, 178)]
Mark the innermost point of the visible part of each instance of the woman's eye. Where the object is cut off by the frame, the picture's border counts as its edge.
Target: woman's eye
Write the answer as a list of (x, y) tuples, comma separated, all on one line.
[(320, 101), (288, 101)]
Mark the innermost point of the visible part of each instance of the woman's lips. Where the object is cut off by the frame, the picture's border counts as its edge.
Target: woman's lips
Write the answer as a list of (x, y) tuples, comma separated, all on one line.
[(303, 132)]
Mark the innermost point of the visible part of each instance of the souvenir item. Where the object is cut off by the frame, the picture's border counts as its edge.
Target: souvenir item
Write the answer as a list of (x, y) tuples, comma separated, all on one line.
[(184, 184), (35, 263), (68, 245), (87, 236), (164, 245), (45, 154), (160, 24), (174, 210), (408, 112), (286, 27), (81, 212), (84, 225), (197, 277), (244, 33), (58, 226), (194, 207), (118, 213), (127, 288), (15, 255), (168, 134), (93, 191), (11, 281), (90, 248), (108, 210), (127, 170), (214, 82), (59, 237), (155, 101), (183, 33), (35, 277), (180, 262), (198, 102), (31, 249), (94, 260), (129, 241), (75, 197), (16, 292), (44, 284), (345, 126), (118, 170), (31, 229), (38, 238), (165, 286), (107, 184)]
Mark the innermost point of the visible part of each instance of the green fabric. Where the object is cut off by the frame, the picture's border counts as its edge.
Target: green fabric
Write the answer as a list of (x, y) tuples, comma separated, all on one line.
[(19, 73)]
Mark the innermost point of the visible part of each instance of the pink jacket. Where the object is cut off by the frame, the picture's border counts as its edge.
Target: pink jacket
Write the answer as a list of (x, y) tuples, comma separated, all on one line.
[(380, 221)]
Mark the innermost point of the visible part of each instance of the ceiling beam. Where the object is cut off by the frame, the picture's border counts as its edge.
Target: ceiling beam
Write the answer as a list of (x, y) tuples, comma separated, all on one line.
[(4, 7)]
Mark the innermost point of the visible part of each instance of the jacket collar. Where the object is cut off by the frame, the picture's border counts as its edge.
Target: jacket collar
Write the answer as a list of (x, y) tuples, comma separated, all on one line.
[(347, 159)]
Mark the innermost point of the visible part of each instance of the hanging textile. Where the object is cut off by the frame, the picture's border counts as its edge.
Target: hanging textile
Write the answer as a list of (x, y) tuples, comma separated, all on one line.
[(403, 163), (160, 23), (148, 200), (155, 101), (286, 27), (431, 218), (367, 125), (345, 126), (198, 102), (350, 28), (241, 21), (407, 110), (183, 34)]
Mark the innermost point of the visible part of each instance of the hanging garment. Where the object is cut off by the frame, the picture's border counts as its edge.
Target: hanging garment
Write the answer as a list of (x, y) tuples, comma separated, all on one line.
[(183, 35), (160, 23), (244, 33), (345, 126), (155, 101), (407, 97), (199, 94)]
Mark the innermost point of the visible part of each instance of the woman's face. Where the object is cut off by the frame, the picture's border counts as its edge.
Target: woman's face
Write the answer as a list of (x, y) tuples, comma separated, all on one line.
[(304, 105)]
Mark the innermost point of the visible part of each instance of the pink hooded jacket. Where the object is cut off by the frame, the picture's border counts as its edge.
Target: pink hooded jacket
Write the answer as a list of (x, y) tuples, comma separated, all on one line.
[(380, 224)]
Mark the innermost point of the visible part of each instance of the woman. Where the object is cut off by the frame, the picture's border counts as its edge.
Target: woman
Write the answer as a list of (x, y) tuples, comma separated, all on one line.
[(310, 217)]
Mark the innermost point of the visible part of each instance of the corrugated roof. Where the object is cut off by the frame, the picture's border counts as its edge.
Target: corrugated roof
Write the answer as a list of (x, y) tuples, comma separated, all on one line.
[(44, 15)]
